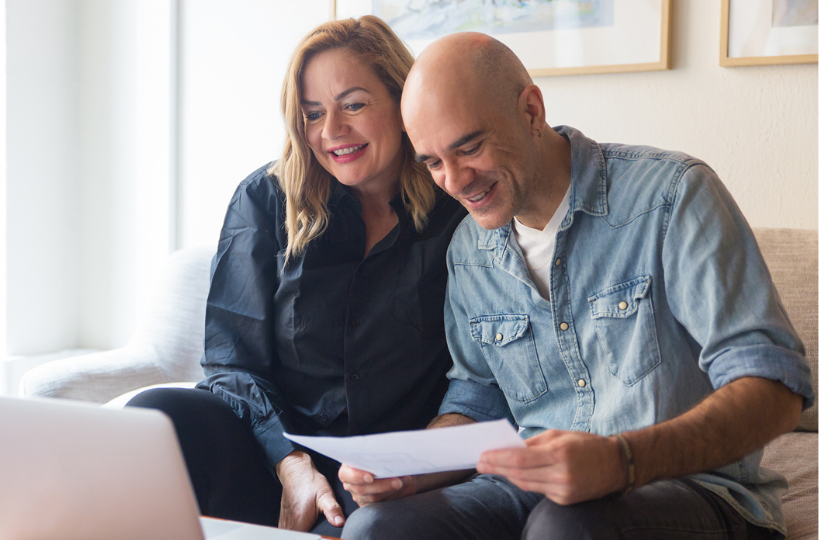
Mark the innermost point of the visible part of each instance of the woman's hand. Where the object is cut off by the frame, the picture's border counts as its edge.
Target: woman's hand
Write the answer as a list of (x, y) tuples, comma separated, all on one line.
[(367, 489), (305, 494)]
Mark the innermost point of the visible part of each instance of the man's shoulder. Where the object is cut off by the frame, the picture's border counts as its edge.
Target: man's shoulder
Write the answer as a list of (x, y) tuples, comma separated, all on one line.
[(467, 233), (471, 243), (647, 158), (641, 178)]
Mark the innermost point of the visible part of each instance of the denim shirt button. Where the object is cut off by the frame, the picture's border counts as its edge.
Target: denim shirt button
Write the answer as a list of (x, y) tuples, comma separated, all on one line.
[(557, 262), (581, 383), (499, 337), (622, 305), (564, 326)]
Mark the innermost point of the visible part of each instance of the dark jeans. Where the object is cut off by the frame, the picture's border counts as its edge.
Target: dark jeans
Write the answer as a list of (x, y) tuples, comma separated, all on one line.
[(225, 462), (491, 508)]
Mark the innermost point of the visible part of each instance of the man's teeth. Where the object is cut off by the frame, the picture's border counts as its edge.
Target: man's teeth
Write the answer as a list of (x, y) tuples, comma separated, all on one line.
[(480, 196), (350, 150)]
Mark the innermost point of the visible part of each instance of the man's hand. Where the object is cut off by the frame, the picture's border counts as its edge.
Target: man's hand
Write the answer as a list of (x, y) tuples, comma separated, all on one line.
[(367, 489), (566, 466), (305, 494)]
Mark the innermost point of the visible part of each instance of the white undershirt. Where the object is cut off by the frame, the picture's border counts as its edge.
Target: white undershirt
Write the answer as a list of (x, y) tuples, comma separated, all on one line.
[(538, 247)]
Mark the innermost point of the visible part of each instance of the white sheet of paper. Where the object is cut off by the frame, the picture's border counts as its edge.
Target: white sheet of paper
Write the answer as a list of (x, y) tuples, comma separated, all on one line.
[(422, 451)]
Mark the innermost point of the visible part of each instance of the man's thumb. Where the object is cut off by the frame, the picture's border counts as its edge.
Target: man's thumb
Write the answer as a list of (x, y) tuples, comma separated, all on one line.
[(331, 509)]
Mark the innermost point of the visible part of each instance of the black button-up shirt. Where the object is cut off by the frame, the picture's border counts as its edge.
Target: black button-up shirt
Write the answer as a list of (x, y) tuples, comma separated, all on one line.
[(334, 343)]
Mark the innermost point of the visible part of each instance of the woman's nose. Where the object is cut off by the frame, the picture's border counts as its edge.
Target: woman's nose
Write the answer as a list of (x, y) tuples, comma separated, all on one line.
[(334, 126)]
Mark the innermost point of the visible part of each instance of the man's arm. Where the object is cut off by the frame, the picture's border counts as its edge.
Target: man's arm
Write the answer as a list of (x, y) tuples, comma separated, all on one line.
[(367, 490), (570, 467), (731, 423)]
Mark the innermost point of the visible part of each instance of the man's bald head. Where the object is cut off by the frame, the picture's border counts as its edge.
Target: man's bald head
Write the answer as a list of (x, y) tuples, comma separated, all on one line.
[(474, 65), (478, 123)]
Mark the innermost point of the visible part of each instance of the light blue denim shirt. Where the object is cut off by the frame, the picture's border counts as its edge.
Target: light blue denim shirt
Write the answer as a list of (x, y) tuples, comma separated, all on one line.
[(659, 295)]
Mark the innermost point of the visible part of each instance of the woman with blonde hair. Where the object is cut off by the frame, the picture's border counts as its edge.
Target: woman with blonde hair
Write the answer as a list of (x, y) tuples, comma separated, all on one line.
[(325, 312)]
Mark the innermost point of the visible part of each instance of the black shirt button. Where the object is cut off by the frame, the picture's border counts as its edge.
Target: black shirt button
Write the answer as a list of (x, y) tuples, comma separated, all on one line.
[(354, 377), (322, 418), (355, 322)]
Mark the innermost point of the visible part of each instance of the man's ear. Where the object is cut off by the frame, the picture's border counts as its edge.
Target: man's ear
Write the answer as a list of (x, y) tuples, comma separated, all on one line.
[(531, 106)]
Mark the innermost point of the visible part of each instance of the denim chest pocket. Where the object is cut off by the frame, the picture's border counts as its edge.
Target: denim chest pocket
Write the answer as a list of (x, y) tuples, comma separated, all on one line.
[(623, 317), (508, 346)]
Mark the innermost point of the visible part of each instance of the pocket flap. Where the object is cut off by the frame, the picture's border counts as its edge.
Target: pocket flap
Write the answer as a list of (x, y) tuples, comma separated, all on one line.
[(620, 301), (498, 329)]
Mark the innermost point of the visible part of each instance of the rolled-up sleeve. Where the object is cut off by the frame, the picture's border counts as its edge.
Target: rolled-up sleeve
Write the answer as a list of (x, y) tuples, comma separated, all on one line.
[(721, 290)]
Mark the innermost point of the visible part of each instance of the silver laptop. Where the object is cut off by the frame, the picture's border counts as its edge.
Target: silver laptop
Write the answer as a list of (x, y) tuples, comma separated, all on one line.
[(74, 471)]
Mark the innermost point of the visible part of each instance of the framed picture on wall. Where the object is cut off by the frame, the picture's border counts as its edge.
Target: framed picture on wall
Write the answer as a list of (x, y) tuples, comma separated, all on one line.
[(765, 32), (551, 37)]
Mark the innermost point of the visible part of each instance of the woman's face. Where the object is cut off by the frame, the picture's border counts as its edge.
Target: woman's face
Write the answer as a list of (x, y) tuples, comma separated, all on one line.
[(353, 124)]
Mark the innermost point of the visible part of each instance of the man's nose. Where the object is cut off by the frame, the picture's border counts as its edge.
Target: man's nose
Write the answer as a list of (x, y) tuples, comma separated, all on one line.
[(334, 126), (457, 179)]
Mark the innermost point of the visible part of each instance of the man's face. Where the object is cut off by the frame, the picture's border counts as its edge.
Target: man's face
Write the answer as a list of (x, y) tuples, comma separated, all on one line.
[(476, 152)]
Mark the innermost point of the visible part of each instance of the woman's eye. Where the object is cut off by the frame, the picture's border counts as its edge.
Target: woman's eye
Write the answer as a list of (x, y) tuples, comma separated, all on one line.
[(312, 117), (432, 165), (355, 106)]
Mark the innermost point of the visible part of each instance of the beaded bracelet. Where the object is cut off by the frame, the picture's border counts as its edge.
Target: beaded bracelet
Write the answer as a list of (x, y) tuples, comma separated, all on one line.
[(629, 462)]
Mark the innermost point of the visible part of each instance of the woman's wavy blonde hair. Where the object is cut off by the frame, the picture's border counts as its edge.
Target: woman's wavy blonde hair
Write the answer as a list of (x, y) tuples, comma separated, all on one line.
[(306, 184)]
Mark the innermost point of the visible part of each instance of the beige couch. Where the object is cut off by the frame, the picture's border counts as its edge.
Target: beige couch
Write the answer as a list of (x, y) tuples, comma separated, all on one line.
[(168, 344)]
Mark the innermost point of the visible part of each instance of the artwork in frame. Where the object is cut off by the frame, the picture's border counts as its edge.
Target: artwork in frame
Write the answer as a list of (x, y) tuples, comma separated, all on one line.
[(551, 37), (766, 32)]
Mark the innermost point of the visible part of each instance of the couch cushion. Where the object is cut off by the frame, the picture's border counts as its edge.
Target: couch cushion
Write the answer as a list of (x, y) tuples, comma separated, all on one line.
[(791, 255), (794, 455)]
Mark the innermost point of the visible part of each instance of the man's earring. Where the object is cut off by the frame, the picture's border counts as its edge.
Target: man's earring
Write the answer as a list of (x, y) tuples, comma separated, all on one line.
[(539, 134)]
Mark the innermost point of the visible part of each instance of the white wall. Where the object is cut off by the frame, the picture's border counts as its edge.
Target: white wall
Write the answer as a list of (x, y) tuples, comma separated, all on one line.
[(88, 172), (3, 197), (233, 55), (42, 181), (756, 126), (125, 47)]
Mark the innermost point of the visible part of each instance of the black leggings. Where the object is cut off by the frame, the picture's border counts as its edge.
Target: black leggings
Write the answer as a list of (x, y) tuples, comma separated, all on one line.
[(225, 462)]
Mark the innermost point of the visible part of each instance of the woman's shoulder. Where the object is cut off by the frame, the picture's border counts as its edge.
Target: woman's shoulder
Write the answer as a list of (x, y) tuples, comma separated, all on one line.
[(262, 179), (261, 187)]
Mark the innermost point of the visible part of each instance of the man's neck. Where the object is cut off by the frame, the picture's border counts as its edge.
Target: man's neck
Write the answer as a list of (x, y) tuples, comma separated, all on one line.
[(555, 162)]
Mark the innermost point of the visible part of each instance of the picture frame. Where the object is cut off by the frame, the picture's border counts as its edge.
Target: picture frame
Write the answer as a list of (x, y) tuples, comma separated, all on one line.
[(768, 32), (556, 37)]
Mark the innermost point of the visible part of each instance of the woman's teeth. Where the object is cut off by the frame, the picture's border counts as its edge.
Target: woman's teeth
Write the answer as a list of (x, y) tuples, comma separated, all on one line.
[(480, 196), (350, 150)]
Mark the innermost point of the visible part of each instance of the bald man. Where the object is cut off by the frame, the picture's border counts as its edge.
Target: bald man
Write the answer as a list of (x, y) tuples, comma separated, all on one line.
[(612, 302)]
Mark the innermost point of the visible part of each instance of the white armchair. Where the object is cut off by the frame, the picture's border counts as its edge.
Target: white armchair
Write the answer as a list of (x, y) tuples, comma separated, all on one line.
[(166, 346)]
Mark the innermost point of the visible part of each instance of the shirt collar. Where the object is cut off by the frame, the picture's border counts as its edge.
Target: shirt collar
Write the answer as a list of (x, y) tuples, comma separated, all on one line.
[(342, 193), (587, 192)]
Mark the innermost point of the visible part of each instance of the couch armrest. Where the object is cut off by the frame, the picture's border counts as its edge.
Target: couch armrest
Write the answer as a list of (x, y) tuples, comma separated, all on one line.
[(96, 377), (791, 255), (794, 455), (166, 346)]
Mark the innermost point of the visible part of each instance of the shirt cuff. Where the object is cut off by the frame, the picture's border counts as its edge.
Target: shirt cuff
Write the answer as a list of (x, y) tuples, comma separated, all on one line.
[(766, 361), (478, 402), (275, 445)]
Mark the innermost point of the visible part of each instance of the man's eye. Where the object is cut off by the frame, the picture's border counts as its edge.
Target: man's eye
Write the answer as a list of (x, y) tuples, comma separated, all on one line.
[(433, 165), (472, 151)]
